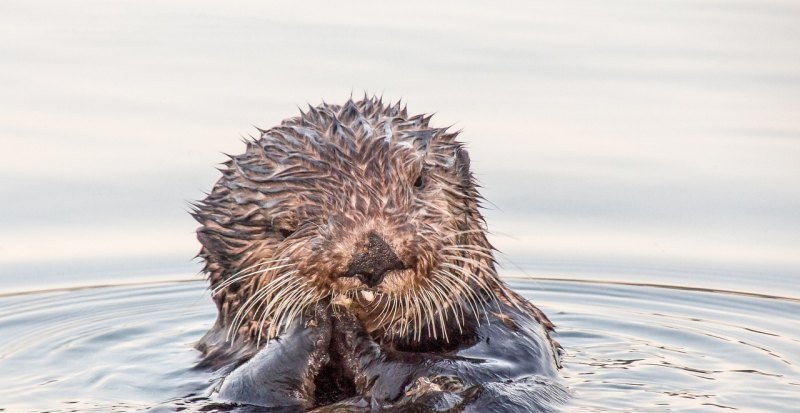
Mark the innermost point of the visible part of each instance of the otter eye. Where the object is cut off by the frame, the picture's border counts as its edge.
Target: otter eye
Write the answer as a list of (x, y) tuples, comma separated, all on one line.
[(419, 182), (286, 232), (281, 229)]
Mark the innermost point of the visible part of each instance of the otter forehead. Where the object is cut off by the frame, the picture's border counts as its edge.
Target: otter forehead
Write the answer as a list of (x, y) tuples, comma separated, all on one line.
[(372, 170), (359, 158)]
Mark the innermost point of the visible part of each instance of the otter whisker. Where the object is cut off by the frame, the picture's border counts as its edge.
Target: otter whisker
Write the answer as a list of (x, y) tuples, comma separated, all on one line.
[(489, 289), (430, 302), (458, 286), (418, 314), (477, 264), (268, 291), (286, 283), (384, 310), (468, 275), (469, 251), (428, 317), (473, 247), (452, 282), (238, 277), (275, 319), (456, 309), (294, 303), (258, 298), (391, 306), (259, 263), (469, 294), (479, 281), (438, 288), (465, 232), (392, 313), (396, 318), (286, 302), (243, 276), (309, 299), (273, 268), (255, 297), (442, 316), (300, 305), (407, 314), (436, 299), (270, 311), (413, 323)]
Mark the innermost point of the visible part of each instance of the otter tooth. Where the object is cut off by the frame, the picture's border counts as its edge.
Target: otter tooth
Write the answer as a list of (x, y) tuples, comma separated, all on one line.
[(368, 295)]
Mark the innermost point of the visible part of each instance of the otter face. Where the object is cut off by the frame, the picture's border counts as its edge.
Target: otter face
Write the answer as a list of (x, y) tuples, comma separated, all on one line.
[(359, 204)]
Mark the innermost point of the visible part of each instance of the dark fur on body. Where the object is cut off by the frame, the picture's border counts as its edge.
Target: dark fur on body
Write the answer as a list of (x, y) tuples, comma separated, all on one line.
[(284, 233)]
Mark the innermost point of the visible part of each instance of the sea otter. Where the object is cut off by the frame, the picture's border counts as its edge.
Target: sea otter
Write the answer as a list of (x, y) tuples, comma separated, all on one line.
[(348, 259)]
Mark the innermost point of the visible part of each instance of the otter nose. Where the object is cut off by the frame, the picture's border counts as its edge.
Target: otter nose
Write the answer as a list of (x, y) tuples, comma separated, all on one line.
[(373, 262)]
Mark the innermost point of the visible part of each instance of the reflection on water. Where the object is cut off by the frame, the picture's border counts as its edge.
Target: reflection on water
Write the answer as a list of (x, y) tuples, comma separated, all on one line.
[(628, 348)]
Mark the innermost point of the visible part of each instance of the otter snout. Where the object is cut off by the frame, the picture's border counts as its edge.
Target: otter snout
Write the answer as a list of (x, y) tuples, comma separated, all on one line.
[(371, 262)]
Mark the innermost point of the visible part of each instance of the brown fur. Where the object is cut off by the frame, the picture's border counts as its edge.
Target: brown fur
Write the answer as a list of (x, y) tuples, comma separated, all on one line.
[(281, 225)]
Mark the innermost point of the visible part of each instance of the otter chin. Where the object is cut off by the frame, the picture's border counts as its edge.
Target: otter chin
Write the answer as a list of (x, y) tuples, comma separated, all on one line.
[(349, 263)]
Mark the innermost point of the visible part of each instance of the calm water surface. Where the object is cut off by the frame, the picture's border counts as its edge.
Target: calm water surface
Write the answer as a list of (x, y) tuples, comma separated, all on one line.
[(624, 146)]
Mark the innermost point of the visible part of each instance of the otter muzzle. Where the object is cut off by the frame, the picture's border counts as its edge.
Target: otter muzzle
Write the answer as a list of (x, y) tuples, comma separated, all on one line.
[(371, 264)]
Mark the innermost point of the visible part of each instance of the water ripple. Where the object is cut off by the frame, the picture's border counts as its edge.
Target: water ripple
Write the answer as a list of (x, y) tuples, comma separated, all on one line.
[(628, 348), (646, 348)]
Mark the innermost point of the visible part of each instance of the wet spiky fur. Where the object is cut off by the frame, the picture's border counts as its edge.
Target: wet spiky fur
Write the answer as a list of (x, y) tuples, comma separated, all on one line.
[(280, 226)]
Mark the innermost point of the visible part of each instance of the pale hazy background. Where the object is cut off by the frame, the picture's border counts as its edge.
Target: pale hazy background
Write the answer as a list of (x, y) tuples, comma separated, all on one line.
[(621, 140)]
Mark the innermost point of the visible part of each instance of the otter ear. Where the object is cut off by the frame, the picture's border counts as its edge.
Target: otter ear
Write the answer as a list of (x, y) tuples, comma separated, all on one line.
[(210, 243), (462, 165)]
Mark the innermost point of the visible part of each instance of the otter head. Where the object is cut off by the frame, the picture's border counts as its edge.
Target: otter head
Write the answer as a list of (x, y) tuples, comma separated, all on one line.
[(358, 204)]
